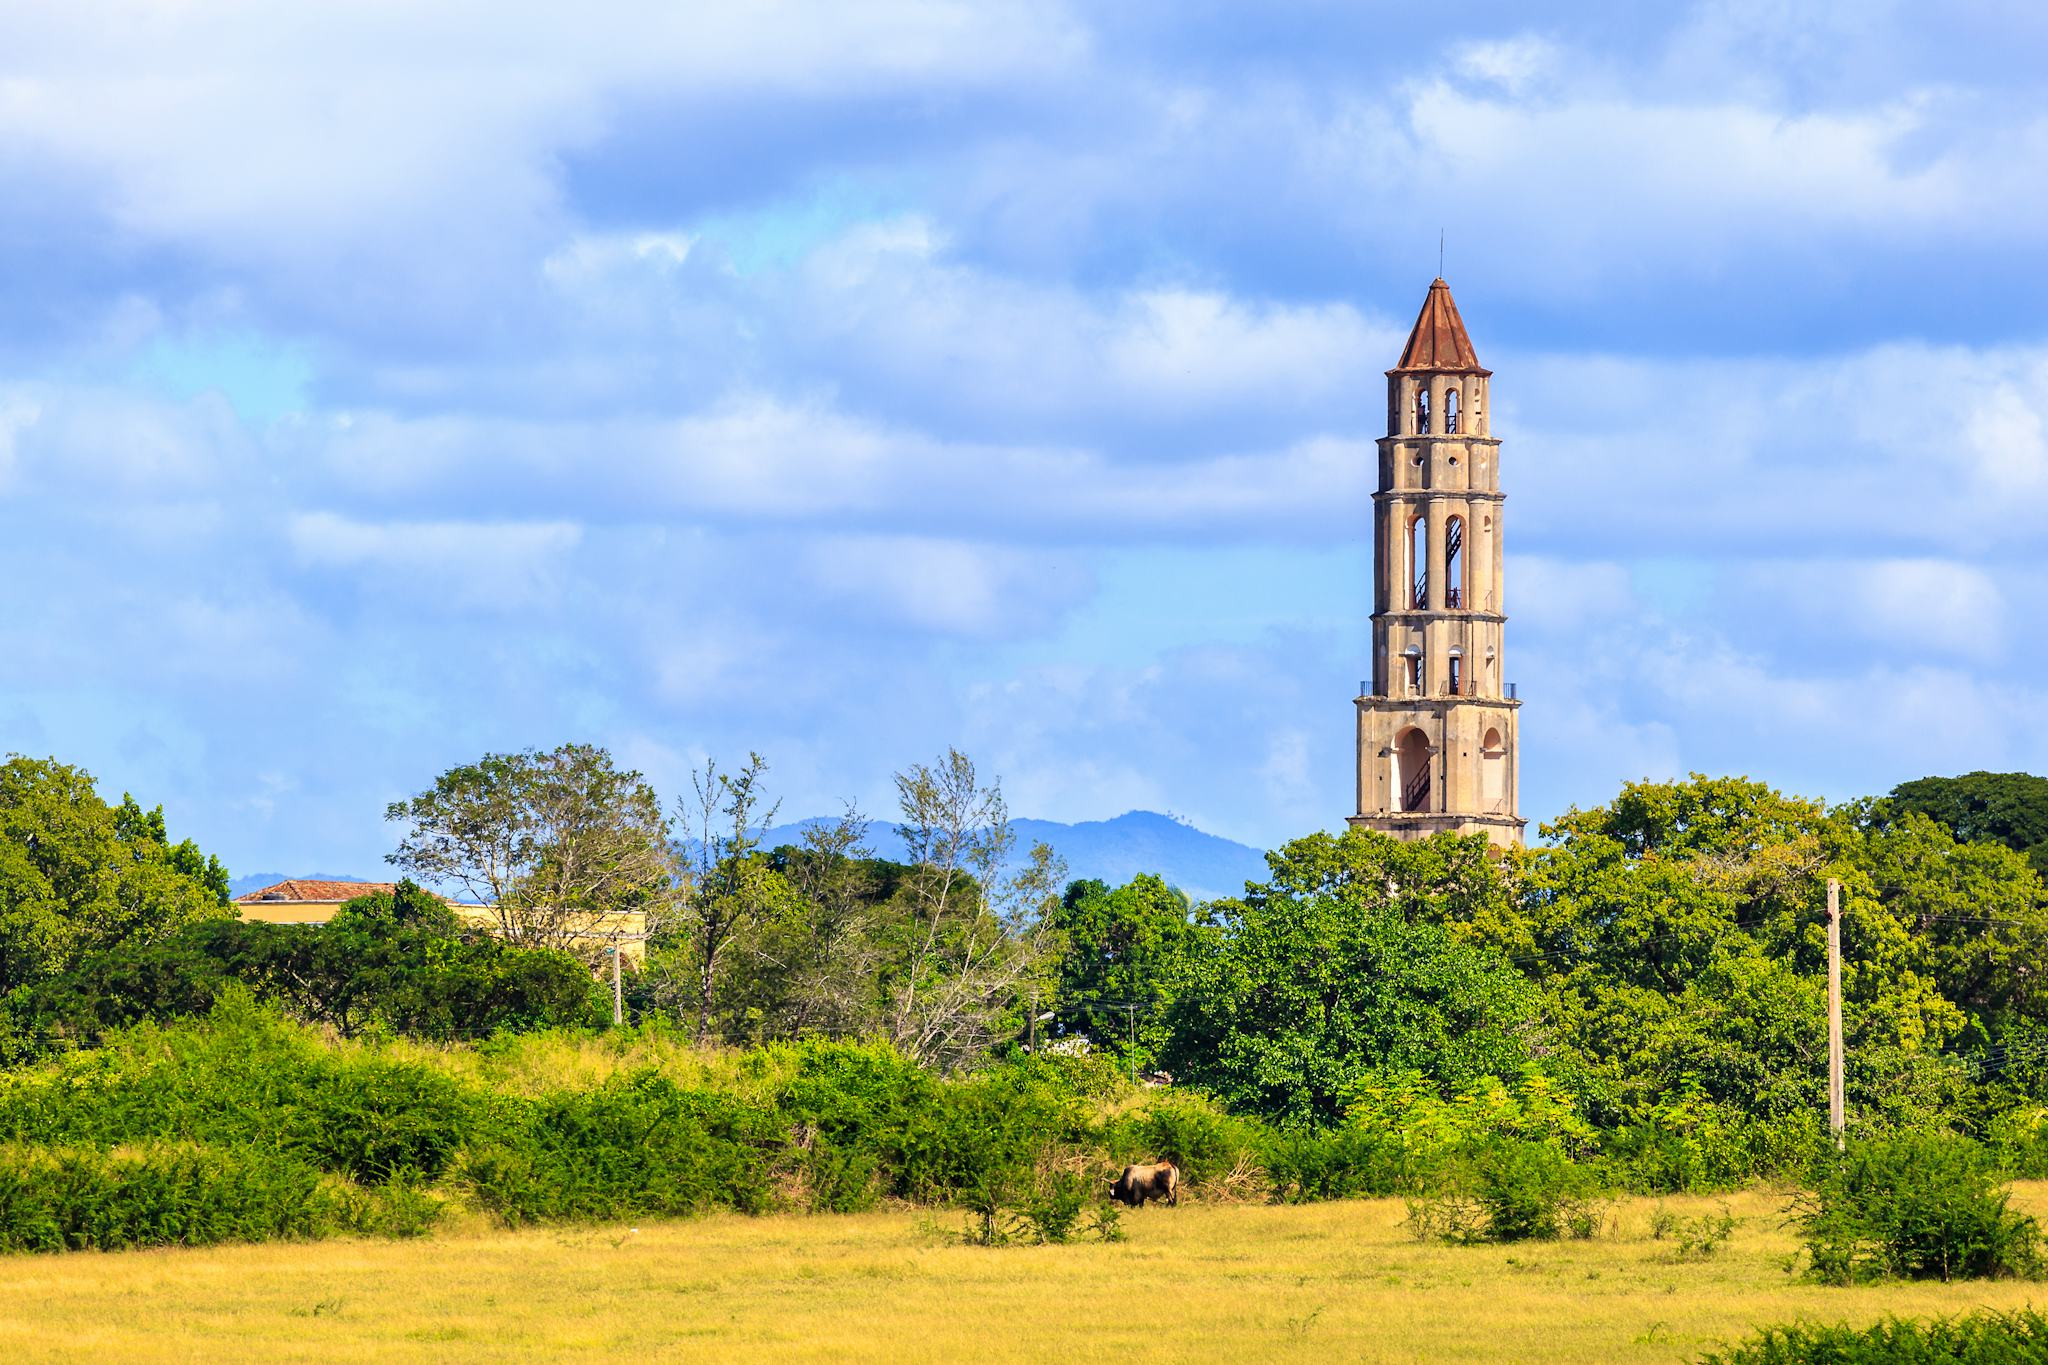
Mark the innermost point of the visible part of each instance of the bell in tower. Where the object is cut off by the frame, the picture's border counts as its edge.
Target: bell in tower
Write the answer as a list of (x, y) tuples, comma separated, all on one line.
[(1437, 735)]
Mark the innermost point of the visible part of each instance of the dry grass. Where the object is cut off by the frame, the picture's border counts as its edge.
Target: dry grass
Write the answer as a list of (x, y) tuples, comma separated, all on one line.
[(1208, 1283)]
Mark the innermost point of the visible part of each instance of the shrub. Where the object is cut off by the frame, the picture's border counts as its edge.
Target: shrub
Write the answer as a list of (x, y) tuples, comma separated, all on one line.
[(1918, 1207), (1055, 1205), (1694, 1239), (1980, 1338), (72, 1199), (1510, 1192), (1350, 1162), (379, 1121), (1191, 1131), (637, 1144), (1052, 1208)]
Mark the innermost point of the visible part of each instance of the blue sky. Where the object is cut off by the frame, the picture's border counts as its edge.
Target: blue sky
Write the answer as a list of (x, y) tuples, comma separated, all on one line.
[(383, 385)]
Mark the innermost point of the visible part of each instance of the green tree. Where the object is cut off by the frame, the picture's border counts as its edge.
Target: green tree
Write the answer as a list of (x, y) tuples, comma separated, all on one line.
[(2005, 808), (139, 826), (1341, 968), (820, 968), (971, 929), (561, 844), (78, 877), (397, 959), (733, 888), (1121, 950)]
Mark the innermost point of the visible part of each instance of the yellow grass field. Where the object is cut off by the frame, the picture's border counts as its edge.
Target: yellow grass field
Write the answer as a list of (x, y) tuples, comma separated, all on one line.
[(1331, 1282)]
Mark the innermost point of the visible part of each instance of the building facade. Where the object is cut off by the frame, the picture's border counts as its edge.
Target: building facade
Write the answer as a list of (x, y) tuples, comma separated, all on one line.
[(1437, 734), (311, 902)]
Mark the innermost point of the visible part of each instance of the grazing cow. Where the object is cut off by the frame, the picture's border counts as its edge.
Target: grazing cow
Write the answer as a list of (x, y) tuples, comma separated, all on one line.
[(1159, 1180)]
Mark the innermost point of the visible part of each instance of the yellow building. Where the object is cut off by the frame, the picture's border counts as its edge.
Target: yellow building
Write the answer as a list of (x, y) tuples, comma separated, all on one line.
[(301, 900)]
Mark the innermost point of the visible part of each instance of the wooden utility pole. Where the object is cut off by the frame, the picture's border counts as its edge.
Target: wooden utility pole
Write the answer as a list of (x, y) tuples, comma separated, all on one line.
[(1837, 1106), (1033, 1047), (618, 992)]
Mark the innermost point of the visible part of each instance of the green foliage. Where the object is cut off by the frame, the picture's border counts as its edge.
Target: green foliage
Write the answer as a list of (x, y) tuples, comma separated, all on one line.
[(1696, 1238), (387, 961), (1920, 1206), (1055, 1202), (1197, 1135), (1979, 1338), (640, 1144), (407, 907), (1122, 948), (73, 1199), (1337, 968), (560, 842), (78, 877), (2004, 808), (1509, 1191), (141, 828)]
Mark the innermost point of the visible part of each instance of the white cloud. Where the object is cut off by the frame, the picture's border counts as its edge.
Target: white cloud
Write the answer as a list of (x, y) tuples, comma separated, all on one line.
[(395, 152), (440, 563), (1552, 594), (1920, 606), (1513, 64), (15, 415), (945, 586)]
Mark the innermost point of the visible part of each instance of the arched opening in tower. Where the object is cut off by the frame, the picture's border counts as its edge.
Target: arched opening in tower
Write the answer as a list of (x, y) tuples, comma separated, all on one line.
[(1493, 771), (1422, 408), (1418, 558), (1454, 562), (1411, 769), (1450, 412)]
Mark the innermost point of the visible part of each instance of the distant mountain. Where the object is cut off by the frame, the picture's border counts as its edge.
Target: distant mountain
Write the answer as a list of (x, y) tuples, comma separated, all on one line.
[(1206, 866), (256, 881)]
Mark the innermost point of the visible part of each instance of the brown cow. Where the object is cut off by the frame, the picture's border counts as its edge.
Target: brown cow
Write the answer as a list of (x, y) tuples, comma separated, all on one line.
[(1158, 1180)]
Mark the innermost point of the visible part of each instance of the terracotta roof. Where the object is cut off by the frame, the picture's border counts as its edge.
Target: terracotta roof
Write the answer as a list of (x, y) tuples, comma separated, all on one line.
[(300, 889), (1439, 341)]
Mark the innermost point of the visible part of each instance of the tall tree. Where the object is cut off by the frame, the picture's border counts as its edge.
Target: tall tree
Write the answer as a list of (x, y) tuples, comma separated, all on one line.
[(78, 877), (2005, 808), (973, 928), (562, 845), (827, 958), (140, 827), (1120, 951), (732, 886), (1335, 971)]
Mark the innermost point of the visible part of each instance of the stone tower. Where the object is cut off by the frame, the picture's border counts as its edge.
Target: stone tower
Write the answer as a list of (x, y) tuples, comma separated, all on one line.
[(1437, 736)]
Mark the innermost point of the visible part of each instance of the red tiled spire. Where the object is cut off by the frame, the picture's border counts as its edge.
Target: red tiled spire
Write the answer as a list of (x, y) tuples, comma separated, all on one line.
[(1439, 341)]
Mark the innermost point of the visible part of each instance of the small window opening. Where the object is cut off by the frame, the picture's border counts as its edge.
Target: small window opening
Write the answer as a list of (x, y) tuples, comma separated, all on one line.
[(1451, 412), (1457, 675), (1413, 662), (1422, 410)]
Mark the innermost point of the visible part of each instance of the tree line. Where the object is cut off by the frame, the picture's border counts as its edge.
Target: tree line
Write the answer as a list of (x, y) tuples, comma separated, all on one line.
[(1657, 960)]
